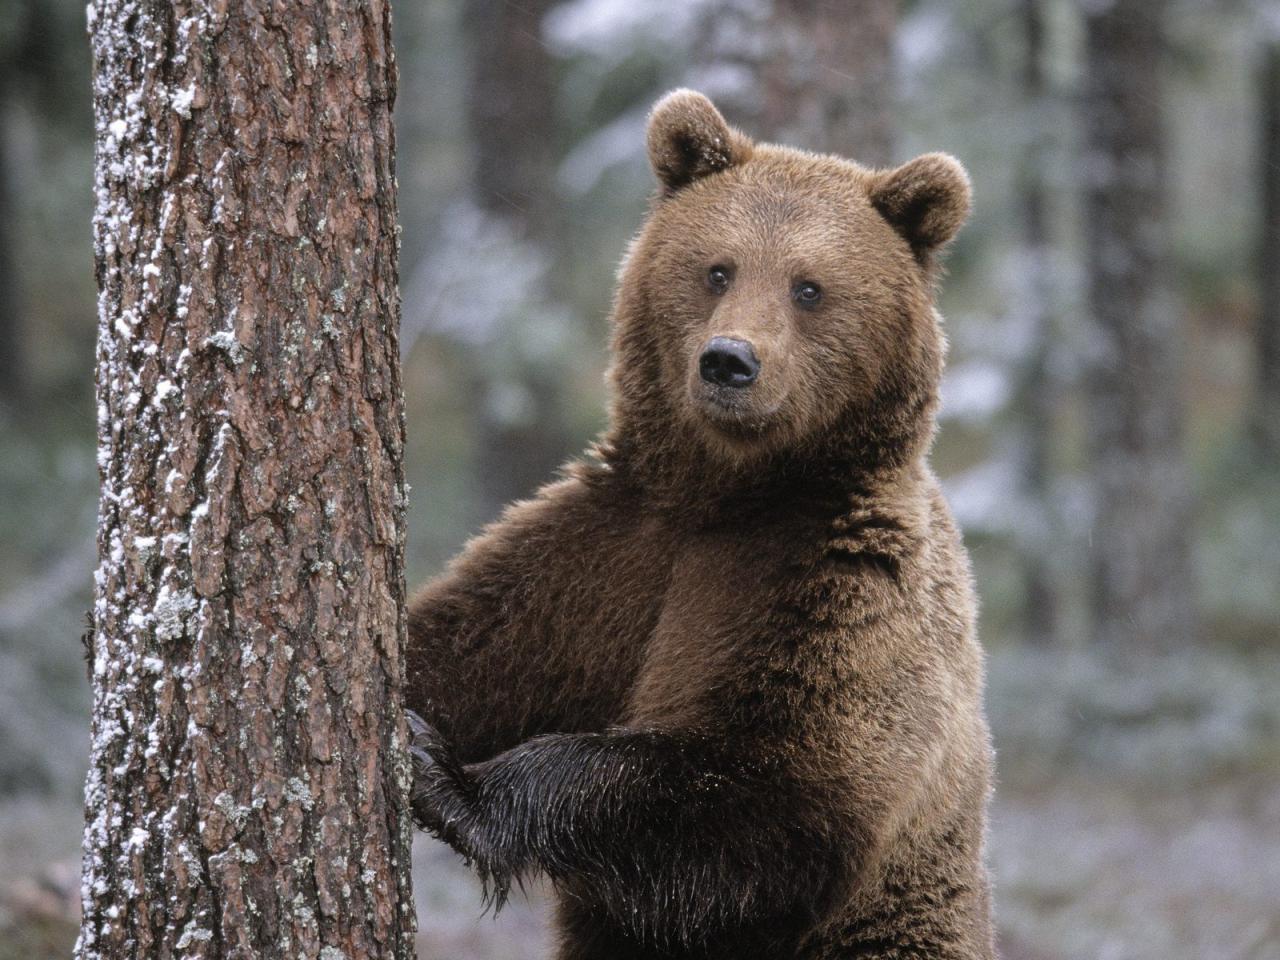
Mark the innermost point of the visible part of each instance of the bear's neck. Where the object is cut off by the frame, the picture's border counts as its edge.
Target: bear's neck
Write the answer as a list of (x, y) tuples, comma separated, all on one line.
[(866, 451)]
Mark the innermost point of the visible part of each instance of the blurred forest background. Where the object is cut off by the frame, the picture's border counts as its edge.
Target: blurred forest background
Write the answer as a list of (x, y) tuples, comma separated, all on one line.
[(1111, 418)]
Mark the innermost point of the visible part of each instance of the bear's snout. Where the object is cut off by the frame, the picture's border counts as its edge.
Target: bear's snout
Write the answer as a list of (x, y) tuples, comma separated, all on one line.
[(726, 362)]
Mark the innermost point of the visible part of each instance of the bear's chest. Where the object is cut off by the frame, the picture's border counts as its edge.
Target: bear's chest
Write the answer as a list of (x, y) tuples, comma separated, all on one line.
[(723, 628)]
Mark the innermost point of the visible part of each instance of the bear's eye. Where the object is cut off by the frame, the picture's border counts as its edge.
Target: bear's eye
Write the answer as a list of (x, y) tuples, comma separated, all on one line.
[(807, 293), (718, 279)]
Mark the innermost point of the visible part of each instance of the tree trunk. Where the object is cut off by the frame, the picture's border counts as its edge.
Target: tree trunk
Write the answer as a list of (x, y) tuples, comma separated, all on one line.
[(1267, 407), (511, 111), (13, 366), (830, 85), (818, 73), (520, 437), (1038, 393), (247, 787), (1144, 594)]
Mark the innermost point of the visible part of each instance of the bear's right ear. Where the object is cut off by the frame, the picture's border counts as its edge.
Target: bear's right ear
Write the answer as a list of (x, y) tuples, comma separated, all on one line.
[(688, 139), (926, 200)]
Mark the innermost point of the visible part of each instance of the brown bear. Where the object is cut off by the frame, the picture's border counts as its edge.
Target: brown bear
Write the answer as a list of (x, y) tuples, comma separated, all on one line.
[(720, 682)]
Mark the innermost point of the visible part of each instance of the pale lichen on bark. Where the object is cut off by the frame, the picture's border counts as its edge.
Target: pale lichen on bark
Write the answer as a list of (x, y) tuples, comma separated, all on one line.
[(247, 782)]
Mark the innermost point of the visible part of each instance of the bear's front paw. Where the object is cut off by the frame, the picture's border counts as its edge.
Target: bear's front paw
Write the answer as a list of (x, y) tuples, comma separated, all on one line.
[(447, 800), (442, 795)]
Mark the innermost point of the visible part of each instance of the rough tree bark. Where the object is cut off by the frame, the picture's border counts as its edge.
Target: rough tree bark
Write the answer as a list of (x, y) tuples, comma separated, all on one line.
[(816, 73), (511, 121), (247, 783), (1142, 525), (1267, 406), (1037, 393)]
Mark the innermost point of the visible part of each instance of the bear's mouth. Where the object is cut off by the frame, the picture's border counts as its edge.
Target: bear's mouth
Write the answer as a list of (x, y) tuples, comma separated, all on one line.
[(735, 411)]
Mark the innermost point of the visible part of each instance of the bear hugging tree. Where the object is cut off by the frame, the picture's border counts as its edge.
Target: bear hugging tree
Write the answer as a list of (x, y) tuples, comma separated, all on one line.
[(720, 682)]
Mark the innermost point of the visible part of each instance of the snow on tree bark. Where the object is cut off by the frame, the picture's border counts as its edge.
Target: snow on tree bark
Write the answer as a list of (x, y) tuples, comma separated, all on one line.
[(247, 782), (1144, 594)]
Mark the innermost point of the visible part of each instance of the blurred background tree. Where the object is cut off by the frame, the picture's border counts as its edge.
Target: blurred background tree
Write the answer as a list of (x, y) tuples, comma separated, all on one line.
[(812, 72), (1109, 433), (1267, 413), (1036, 385), (1140, 541), (520, 431)]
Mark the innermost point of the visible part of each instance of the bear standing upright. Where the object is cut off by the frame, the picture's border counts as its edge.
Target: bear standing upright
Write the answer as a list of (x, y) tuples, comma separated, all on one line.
[(720, 682)]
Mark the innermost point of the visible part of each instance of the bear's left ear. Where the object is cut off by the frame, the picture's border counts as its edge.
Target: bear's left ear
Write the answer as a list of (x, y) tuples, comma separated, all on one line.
[(689, 139), (926, 200)]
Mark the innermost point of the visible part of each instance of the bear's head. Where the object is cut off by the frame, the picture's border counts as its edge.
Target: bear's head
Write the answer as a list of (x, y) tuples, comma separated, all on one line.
[(776, 310)]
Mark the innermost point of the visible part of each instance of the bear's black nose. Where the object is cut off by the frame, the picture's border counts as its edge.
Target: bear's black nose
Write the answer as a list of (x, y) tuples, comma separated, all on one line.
[(729, 363)]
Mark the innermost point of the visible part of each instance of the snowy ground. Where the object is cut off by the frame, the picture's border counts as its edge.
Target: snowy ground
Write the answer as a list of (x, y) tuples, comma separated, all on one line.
[(1137, 818), (451, 924), (1090, 871)]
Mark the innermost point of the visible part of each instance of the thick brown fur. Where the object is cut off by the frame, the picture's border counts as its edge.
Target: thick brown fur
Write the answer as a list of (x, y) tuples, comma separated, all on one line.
[(720, 682)]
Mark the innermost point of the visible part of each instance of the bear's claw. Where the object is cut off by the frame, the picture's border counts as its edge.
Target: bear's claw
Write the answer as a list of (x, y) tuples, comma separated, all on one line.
[(441, 788)]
